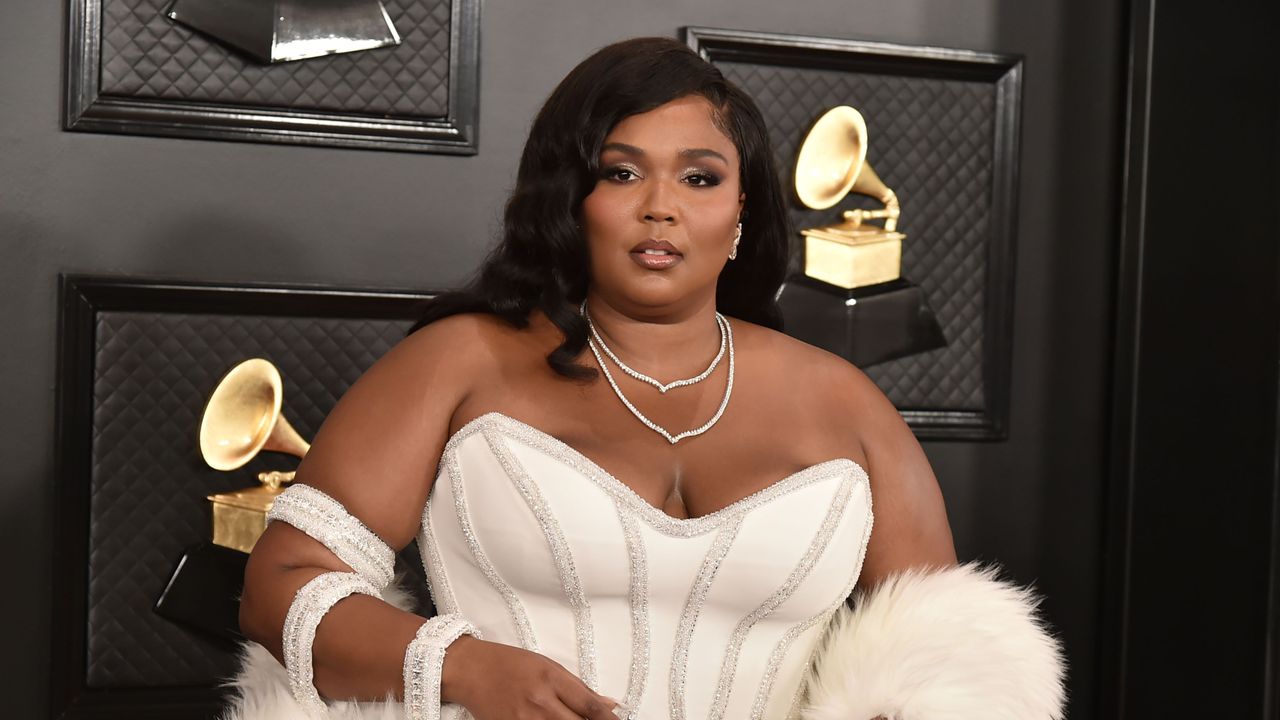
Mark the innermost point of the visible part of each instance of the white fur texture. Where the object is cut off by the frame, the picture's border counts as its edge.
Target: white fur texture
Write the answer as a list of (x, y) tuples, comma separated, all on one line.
[(953, 644), (262, 685)]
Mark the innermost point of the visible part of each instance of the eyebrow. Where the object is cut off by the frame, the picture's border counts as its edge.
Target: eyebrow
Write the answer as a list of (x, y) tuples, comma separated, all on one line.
[(688, 153)]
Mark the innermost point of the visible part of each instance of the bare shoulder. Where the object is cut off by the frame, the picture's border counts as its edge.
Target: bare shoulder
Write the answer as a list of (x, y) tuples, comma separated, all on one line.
[(831, 387), (458, 339), (393, 422), (453, 353)]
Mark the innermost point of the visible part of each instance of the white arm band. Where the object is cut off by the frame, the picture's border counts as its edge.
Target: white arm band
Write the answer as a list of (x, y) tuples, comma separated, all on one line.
[(309, 606), (424, 660), (329, 523)]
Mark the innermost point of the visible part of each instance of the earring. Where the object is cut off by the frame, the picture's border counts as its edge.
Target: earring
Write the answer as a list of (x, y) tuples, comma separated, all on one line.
[(733, 252)]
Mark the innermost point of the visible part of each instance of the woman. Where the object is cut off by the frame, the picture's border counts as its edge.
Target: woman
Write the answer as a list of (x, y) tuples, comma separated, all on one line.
[(645, 499)]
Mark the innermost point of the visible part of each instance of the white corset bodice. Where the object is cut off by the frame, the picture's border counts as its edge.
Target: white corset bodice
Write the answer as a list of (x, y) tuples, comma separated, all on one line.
[(709, 618)]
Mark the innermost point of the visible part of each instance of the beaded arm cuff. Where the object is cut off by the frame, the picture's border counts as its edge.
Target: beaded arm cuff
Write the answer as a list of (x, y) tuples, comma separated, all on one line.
[(329, 523), (423, 661), (309, 606)]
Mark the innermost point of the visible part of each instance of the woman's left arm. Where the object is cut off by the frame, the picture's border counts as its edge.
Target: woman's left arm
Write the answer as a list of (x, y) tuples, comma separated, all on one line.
[(911, 528), (957, 643)]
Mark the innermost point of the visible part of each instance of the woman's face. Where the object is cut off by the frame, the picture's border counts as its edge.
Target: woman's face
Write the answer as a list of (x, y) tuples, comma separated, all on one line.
[(662, 217)]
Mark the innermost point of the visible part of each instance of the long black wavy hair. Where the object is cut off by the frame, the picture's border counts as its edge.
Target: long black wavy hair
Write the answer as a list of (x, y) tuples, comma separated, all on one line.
[(541, 262)]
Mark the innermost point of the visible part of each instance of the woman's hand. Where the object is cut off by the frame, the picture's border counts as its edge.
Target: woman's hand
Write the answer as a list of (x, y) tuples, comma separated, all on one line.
[(501, 682)]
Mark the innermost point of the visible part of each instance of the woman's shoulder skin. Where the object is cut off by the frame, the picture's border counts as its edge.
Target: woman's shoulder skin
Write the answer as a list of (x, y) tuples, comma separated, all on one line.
[(832, 387), (379, 446)]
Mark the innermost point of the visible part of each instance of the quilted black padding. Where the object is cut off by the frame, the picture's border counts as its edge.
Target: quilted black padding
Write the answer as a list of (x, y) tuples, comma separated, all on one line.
[(154, 372), (145, 55), (932, 141)]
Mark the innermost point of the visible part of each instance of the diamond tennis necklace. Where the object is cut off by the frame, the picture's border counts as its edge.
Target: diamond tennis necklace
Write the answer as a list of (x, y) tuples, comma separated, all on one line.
[(726, 335), (720, 323)]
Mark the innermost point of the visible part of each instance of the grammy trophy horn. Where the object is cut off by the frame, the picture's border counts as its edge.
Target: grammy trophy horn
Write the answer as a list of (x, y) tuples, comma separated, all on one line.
[(243, 418), (833, 163)]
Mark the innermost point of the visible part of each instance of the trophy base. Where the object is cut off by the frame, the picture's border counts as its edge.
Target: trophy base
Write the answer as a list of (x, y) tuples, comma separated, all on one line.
[(240, 518), (852, 257), (866, 325), (203, 594)]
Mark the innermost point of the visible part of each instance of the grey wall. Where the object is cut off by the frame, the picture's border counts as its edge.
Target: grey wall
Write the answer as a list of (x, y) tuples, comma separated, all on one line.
[(74, 202)]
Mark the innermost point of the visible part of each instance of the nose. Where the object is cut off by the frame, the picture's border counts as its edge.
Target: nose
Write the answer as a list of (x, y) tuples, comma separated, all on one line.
[(658, 204)]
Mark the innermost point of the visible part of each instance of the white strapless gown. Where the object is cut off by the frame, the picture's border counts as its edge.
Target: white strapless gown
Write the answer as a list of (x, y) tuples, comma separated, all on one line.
[(713, 617)]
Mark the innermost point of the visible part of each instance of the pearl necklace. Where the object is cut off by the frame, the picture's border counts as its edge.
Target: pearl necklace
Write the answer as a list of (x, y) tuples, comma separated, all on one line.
[(721, 323), (726, 331)]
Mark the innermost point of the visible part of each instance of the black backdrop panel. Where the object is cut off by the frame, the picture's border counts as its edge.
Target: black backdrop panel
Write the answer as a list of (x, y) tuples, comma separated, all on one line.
[(138, 363), (942, 132), (153, 374)]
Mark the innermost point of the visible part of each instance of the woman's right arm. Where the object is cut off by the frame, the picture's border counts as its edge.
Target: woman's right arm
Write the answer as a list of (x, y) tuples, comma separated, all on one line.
[(376, 454)]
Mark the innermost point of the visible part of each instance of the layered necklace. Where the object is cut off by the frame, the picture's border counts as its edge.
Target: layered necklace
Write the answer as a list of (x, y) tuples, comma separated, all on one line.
[(597, 343)]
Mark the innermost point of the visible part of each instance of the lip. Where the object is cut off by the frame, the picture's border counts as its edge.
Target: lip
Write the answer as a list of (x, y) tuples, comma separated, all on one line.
[(655, 262), (652, 244)]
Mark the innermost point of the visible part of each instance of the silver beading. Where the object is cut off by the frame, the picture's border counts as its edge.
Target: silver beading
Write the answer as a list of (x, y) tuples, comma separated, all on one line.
[(424, 660), (720, 323), (309, 607), (673, 439), (329, 523)]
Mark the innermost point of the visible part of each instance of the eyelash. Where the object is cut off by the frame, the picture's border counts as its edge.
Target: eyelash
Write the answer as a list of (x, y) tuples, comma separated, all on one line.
[(708, 179)]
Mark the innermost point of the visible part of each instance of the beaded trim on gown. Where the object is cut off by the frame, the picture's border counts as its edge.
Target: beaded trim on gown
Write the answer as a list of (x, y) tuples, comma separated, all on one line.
[(713, 618)]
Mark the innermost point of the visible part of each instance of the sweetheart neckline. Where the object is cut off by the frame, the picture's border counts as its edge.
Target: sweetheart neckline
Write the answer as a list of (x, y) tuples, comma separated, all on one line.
[(554, 447)]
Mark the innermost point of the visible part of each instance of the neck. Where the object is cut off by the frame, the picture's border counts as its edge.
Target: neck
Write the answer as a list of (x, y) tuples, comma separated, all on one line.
[(667, 345)]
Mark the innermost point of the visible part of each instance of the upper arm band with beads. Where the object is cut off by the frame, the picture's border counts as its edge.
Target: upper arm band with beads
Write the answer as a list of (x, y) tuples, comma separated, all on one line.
[(329, 523)]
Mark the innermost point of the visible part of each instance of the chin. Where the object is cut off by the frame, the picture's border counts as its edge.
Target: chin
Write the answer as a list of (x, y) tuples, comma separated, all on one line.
[(652, 291), (656, 291)]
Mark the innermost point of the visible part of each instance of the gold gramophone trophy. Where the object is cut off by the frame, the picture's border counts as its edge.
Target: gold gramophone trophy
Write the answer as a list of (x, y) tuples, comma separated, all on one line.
[(852, 298), (831, 164), (241, 420)]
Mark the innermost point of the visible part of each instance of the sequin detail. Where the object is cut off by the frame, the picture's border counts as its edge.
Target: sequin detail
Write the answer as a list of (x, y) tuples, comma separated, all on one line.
[(639, 673), (810, 558), (620, 492), (784, 644), (775, 658), (424, 660), (514, 607), (312, 601), (442, 596), (692, 607), (560, 552), (329, 523)]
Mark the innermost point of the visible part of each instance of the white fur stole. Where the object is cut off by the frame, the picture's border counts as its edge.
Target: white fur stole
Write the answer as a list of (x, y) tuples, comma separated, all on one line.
[(952, 644)]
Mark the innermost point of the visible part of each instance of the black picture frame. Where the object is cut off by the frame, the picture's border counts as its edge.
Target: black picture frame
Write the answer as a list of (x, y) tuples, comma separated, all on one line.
[(82, 299), (1003, 72), (87, 108)]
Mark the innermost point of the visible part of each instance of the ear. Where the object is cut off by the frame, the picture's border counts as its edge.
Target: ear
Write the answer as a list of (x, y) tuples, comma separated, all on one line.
[(742, 199)]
